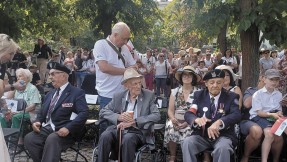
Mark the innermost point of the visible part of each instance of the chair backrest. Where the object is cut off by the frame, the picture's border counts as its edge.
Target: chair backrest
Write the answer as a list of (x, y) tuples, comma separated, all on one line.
[(89, 84), (161, 102)]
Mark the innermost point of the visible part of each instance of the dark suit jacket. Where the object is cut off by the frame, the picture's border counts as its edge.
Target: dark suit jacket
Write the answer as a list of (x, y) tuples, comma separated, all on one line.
[(45, 51), (147, 112), (230, 117), (71, 100)]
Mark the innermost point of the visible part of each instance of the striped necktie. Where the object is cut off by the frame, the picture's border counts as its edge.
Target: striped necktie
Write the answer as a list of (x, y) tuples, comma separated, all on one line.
[(53, 103), (212, 107)]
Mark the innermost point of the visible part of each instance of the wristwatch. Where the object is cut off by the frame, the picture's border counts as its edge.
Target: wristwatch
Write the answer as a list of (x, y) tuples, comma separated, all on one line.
[(12, 87)]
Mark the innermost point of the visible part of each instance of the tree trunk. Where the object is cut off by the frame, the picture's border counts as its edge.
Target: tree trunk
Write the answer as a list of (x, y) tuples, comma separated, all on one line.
[(221, 39), (107, 27), (250, 49)]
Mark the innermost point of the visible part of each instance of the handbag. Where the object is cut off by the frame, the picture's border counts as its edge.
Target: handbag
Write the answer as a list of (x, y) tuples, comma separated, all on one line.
[(179, 115)]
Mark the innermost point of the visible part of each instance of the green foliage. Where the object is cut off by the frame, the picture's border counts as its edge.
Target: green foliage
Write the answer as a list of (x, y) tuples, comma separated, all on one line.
[(54, 20), (139, 15), (268, 15)]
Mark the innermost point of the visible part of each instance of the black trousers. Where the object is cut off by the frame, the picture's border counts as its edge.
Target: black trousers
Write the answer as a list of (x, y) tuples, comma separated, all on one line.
[(109, 142), (46, 149)]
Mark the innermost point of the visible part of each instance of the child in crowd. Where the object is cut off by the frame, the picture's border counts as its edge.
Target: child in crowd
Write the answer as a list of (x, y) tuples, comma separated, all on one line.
[(266, 109), (201, 69)]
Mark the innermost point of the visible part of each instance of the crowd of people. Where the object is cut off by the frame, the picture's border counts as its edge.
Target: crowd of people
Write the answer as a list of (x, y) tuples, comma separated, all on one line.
[(206, 101)]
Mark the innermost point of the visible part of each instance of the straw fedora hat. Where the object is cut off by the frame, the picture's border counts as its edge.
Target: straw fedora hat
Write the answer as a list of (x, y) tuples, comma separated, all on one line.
[(188, 69), (129, 74), (182, 53), (225, 67)]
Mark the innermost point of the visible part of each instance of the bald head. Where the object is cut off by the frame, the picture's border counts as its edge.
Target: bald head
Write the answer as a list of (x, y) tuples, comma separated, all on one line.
[(120, 34), (120, 27)]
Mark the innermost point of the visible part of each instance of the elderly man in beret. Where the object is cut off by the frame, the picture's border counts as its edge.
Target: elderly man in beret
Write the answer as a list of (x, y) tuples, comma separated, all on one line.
[(213, 115), (55, 129), (132, 111)]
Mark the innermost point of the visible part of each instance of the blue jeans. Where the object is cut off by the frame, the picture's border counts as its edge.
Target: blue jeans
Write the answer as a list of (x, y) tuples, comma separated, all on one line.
[(103, 102), (80, 76), (161, 84)]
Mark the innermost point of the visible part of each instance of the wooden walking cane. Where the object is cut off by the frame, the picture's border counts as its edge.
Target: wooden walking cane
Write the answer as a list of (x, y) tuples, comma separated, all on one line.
[(120, 143)]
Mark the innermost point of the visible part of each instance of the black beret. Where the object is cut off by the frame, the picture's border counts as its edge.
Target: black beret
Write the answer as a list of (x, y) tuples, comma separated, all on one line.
[(216, 73), (57, 66)]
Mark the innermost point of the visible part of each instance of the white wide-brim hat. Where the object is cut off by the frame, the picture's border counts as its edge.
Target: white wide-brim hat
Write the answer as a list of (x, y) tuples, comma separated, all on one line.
[(130, 73), (188, 69), (225, 67)]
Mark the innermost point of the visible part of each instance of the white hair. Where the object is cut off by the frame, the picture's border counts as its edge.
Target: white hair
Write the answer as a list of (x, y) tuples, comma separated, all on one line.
[(26, 73), (120, 27), (7, 45)]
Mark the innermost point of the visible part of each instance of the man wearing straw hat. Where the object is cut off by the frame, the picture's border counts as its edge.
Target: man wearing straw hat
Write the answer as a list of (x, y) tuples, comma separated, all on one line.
[(132, 111)]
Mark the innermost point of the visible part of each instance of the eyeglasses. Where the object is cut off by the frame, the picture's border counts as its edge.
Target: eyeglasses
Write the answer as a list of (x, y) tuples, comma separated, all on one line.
[(160, 56), (186, 76), (56, 72)]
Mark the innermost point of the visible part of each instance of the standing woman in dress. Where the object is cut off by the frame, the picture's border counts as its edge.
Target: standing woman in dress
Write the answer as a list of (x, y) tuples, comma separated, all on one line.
[(180, 100), (229, 59), (7, 50), (162, 69), (69, 62)]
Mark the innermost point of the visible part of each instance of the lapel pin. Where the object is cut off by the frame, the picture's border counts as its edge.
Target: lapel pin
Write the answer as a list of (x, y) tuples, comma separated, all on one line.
[(205, 109)]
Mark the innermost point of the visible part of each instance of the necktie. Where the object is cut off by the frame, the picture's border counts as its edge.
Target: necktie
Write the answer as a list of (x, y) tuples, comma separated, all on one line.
[(212, 106), (120, 50), (52, 104)]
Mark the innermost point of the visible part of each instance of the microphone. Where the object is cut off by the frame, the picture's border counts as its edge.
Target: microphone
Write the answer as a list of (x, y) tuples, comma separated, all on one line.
[(193, 108)]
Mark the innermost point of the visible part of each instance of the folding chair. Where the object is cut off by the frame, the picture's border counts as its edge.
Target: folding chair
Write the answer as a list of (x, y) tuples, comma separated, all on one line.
[(77, 149), (9, 133)]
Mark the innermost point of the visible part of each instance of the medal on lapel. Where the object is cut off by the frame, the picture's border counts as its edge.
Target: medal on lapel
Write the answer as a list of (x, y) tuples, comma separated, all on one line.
[(221, 109), (205, 109)]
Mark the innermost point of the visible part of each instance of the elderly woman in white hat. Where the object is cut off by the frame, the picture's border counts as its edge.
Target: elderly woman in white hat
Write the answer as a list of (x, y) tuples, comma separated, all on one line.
[(229, 81), (7, 50), (180, 101)]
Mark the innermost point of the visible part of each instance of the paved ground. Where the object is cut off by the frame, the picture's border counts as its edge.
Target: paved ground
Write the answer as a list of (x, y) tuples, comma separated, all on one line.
[(67, 156)]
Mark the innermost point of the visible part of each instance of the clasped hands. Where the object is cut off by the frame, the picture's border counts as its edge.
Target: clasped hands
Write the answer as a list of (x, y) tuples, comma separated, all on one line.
[(126, 120), (213, 130), (63, 132), (178, 125)]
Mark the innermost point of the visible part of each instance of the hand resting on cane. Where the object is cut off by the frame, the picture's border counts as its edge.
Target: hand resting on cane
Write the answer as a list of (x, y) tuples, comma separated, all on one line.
[(126, 120)]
